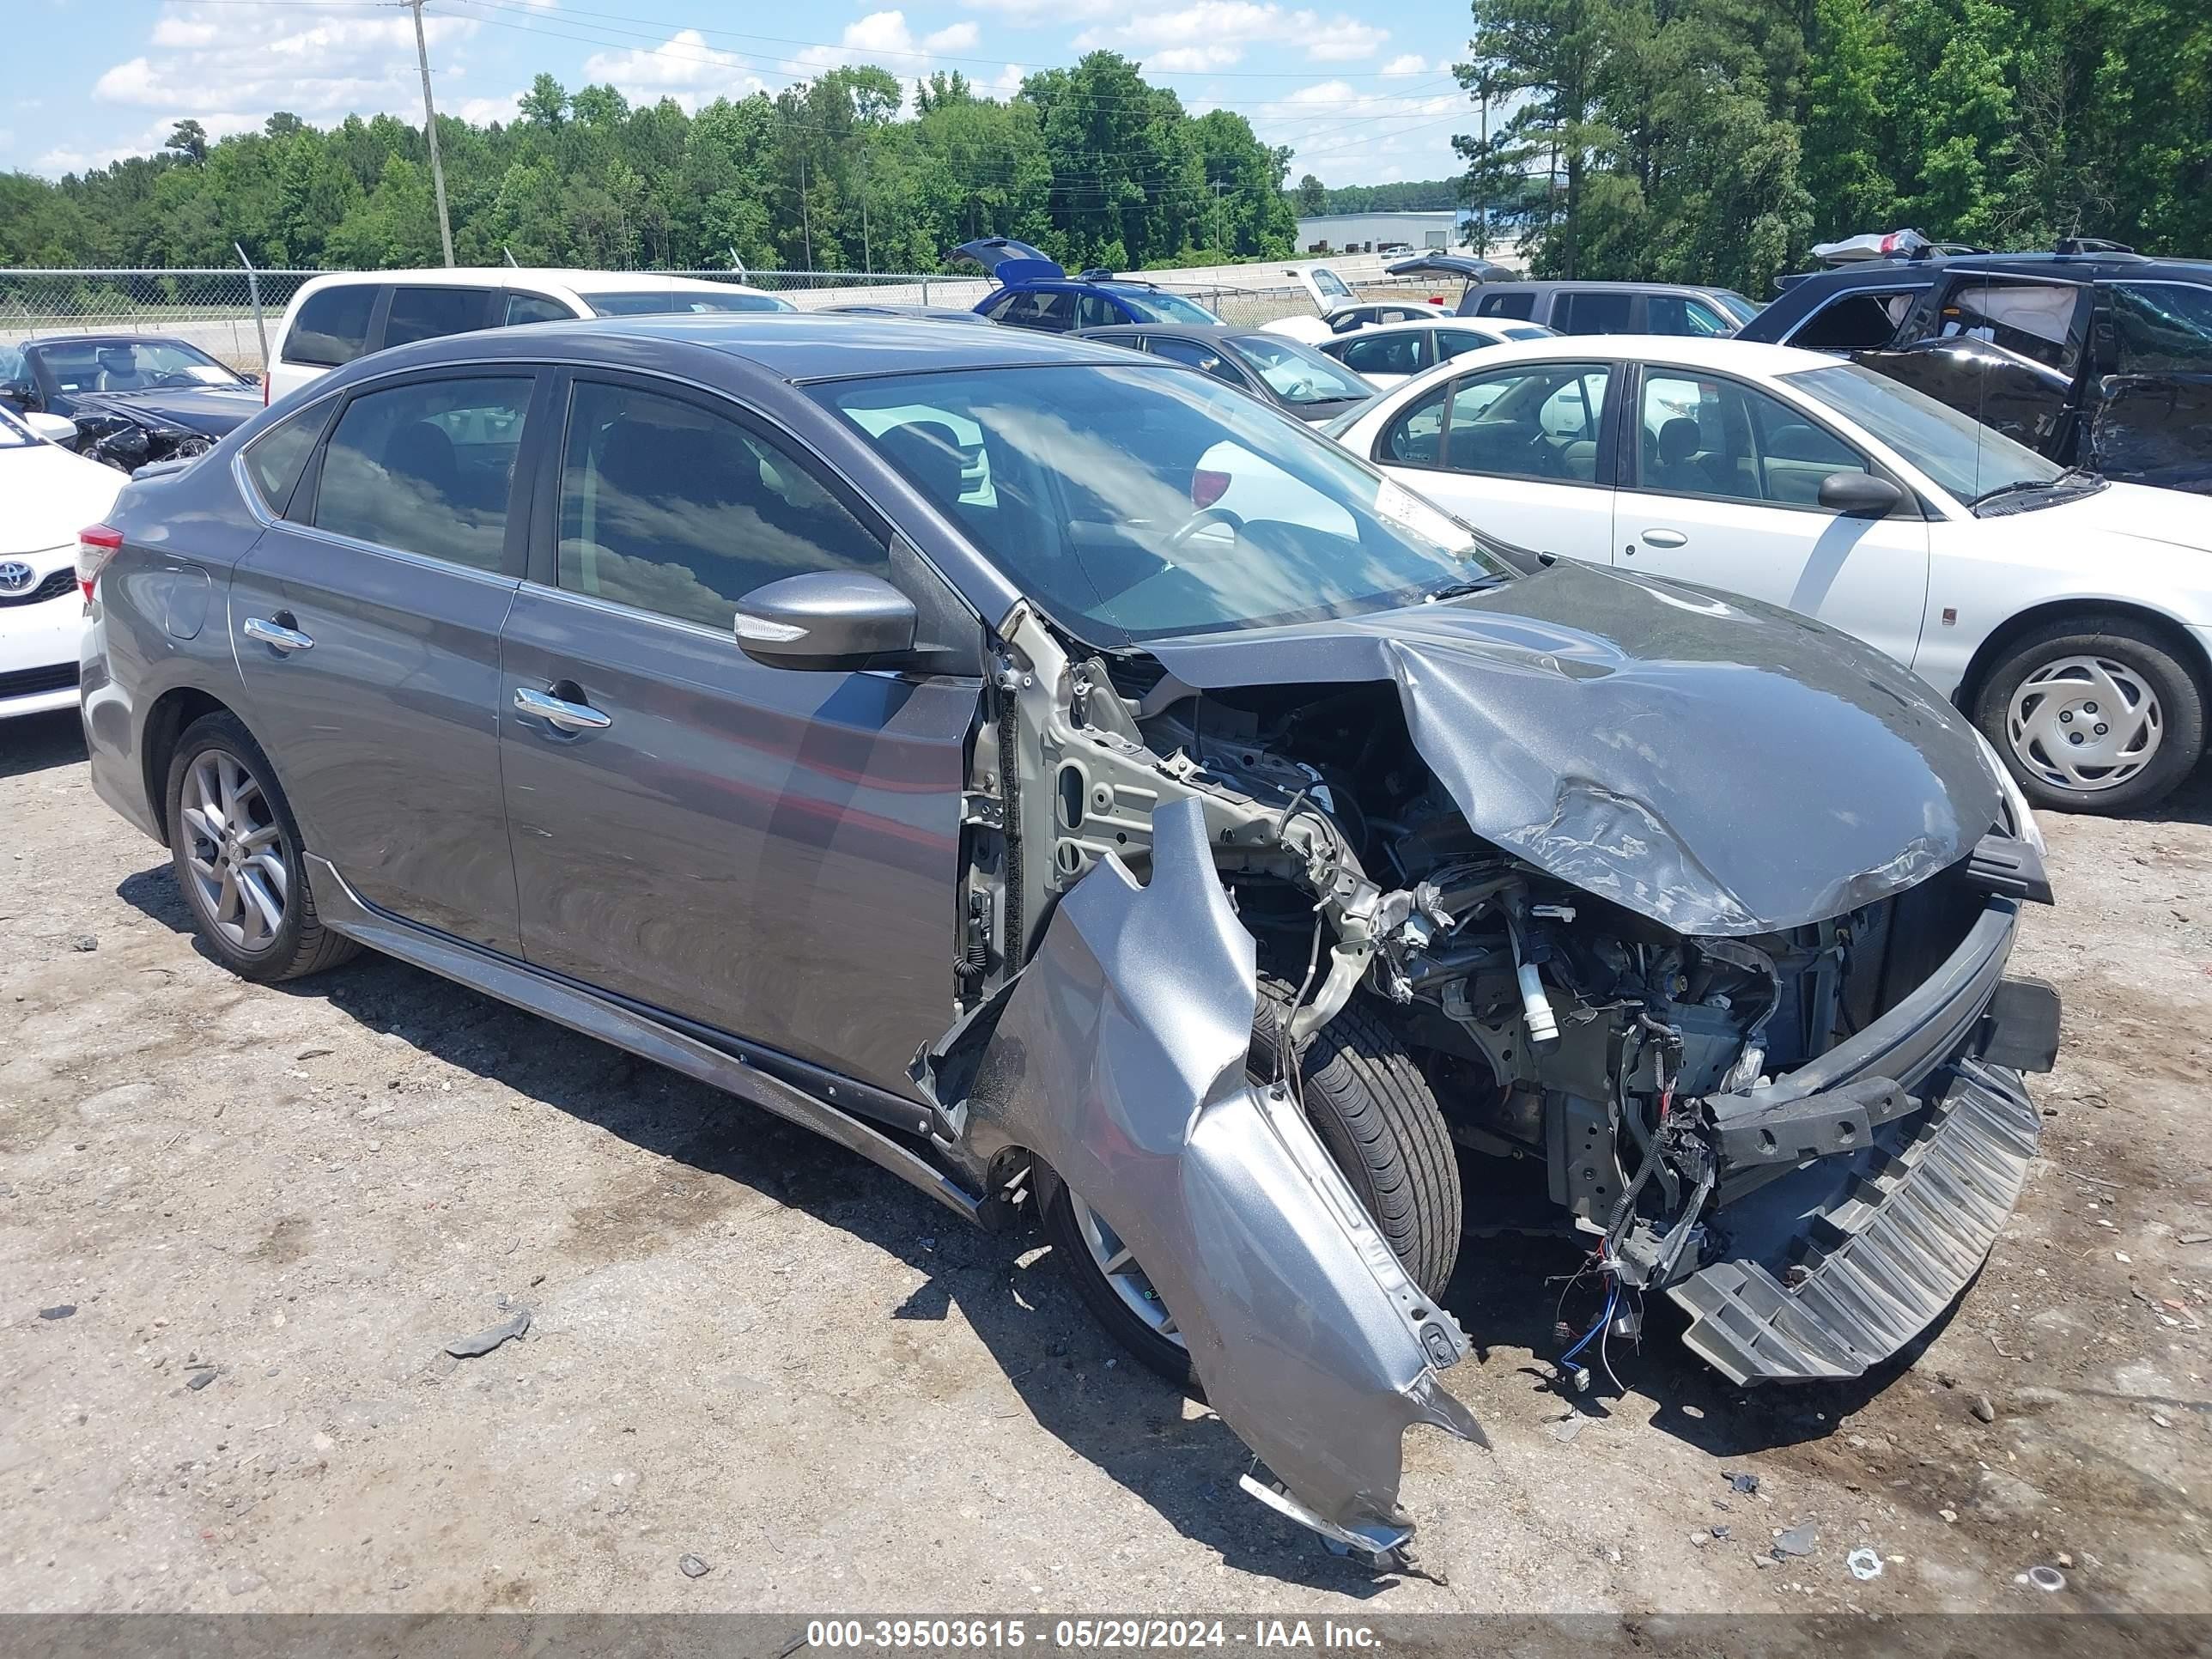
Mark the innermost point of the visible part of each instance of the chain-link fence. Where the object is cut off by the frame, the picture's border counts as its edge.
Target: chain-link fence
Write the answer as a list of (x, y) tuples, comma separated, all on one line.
[(232, 312)]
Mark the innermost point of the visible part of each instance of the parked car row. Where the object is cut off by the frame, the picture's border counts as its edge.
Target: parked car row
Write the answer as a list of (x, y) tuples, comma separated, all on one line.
[(1139, 811)]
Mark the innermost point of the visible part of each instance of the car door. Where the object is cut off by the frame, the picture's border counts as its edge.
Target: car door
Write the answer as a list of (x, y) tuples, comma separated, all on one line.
[(1720, 486), (365, 623), (2149, 418), (2007, 350), (1517, 451), (766, 852)]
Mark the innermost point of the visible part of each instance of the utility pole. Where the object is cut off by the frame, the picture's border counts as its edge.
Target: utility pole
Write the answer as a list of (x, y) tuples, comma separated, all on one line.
[(805, 218), (1218, 186), (430, 132)]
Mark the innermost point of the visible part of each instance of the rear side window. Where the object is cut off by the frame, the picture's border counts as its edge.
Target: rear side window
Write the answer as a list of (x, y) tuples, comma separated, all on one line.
[(426, 468), (428, 313), (332, 325), (1522, 306), (675, 509), (276, 458), (1857, 322), (533, 309), (1592, 314), (1385, 354)]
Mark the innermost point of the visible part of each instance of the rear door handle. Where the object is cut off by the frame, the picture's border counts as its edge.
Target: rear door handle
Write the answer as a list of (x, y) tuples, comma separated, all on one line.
[(1664, 539), (275, 634), (560, 711)]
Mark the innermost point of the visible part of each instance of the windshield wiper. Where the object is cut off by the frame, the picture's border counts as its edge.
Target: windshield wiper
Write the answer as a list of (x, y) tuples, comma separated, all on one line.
[(2072, 477), (1459, 590)]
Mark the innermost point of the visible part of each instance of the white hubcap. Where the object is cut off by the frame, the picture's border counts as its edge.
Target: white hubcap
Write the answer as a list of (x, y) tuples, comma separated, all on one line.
[(2085, 723)]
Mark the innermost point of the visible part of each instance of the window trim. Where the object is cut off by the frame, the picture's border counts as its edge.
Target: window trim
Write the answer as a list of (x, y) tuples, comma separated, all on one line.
[(521, 487), (1608, 424), (541, 570), (1629, 457)]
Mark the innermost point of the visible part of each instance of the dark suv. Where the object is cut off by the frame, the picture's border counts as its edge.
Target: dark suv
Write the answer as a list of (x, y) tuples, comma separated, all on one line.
[(2095, 356), (1580, 308), (798, 701)]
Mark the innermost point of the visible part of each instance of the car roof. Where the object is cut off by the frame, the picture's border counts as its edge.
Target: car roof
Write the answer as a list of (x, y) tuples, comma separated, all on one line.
[(796, 346), (1441, 318), (1902, 273), (1179, 330), (110, 339), (1549, 284), (582, 280)]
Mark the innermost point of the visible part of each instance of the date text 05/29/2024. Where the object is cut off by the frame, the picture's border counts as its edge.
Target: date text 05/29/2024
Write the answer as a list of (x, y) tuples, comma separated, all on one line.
[(938, 1635)]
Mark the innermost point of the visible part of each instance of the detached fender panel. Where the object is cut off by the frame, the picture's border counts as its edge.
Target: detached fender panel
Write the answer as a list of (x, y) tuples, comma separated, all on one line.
[(1118, 1057)]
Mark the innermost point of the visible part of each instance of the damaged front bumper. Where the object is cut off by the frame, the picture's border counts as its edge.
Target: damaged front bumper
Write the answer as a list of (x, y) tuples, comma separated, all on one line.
[(1861, 1193), (1118, 1057)]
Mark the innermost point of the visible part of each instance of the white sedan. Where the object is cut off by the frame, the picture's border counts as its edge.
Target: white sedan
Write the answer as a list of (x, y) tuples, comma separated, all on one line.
[(2070, 617), (47, 494)]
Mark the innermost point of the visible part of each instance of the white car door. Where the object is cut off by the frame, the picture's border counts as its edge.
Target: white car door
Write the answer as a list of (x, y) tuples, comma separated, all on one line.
[(1725, 493), (1513, 451)]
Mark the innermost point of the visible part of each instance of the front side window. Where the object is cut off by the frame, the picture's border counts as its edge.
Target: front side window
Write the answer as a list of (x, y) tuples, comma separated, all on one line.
[(1406, 353), (427, 468), (1537, 421), (431, 313), (2034, 320), (276, 458), (332, 325), (1296, 372), (1137, 504), (2159, 328), (671, 507), (1194, 352), (1458, 342), (1704, 436), (1678, 314), (1592, 312), (533, 309), (1863, 320), (1416, 438), (1094, 311), (1154, 305)]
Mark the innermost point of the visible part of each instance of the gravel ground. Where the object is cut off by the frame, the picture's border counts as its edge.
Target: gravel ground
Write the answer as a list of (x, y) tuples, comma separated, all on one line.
[(271, 1209)]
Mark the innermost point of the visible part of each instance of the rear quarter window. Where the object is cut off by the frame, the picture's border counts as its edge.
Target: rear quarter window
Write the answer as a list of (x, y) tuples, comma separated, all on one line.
[(430, 314), (276, 458), (332, 326)]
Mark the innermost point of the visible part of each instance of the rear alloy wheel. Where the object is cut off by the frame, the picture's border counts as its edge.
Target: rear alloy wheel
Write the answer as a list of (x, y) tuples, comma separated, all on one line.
[(2092, 715), (238, 856), (1371, 1108)]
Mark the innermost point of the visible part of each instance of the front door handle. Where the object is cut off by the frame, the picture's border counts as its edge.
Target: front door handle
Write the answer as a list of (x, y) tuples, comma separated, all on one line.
[(275, 634), (559, 711), (1664, 539)]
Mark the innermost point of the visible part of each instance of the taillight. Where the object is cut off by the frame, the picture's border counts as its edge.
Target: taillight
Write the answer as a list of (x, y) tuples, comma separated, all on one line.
[(95, 545), (264, 388), (1207, 487)]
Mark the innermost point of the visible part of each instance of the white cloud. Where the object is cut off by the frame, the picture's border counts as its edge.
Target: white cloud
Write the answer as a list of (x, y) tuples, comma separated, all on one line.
[(954, 37), (1409, 62), (205, 64), (1344, 135), (482, 111), (682, 67), (1211, 34), (883, 38), (1033, 11)]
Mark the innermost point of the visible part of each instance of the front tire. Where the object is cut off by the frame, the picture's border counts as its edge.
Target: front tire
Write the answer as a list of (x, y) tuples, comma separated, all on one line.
[(2092, 715), (239, 859), (1374, 1113)]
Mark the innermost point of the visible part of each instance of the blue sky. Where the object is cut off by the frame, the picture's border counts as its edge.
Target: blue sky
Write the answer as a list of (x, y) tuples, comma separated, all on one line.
[(1362, 93)]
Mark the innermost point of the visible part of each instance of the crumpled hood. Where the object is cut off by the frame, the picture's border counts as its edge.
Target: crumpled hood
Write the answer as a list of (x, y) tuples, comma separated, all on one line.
[(210, 410), (1715, 764)]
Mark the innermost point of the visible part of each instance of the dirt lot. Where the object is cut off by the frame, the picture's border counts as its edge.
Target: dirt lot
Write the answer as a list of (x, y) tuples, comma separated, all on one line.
[(749, 1346)]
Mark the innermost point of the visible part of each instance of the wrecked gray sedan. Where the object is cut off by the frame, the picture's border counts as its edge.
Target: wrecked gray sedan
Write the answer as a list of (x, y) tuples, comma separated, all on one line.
[(1093, 797)]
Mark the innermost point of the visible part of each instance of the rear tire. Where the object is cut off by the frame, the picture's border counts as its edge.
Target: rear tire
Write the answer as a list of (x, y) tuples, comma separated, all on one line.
[(1374, 1113), (239, 859), (2092, 713)]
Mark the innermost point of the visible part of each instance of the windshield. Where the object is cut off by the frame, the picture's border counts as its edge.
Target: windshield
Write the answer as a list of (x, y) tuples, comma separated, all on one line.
[(1329, 282), (1528, 331), (1957, 450), (1141, 502), (128, 365), (1736, 305), (1297, 374), (1155, 306), (652, 304)]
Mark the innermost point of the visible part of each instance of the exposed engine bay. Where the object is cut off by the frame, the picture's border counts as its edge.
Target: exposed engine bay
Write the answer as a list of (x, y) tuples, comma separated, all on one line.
[(1861, 1063)]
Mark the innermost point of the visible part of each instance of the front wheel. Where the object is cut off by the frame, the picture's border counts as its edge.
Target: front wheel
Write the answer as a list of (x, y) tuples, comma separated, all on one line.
[(2092, 715), (1374, 1113)]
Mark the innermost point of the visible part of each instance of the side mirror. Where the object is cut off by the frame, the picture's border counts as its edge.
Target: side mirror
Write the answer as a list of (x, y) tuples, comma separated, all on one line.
[(1859, 495), (825, 619), (249, 377), (54, 428), (21, 394)]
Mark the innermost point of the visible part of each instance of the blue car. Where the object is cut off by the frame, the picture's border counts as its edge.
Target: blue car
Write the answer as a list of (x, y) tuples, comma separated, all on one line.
[(1033, 292)]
